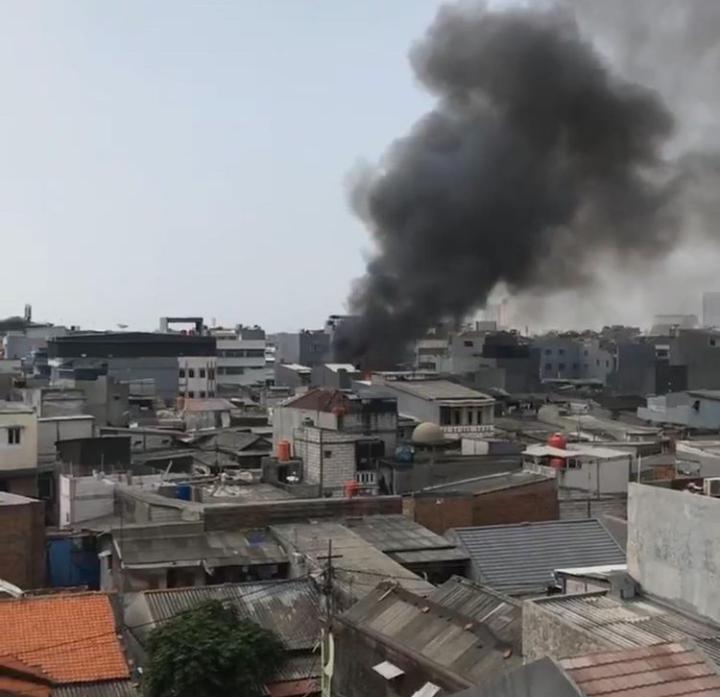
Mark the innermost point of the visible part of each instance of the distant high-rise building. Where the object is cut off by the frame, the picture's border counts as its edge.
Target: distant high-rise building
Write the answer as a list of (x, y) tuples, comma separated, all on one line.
[(711, 309)]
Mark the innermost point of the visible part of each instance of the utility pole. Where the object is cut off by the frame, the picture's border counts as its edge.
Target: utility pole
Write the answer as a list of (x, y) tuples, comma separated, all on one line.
[(327, 651)]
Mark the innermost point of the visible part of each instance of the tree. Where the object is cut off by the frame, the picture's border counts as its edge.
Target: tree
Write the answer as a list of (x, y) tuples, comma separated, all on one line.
[(210, 652)]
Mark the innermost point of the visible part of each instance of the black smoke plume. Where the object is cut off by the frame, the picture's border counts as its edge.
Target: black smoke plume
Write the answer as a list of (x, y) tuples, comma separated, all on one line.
[(534, 159)]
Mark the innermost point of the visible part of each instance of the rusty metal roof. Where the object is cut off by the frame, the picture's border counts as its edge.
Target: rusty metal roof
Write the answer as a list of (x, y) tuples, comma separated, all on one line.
[(502, 614), (632, 623), (427, 630), (291, 609), (655, 671)]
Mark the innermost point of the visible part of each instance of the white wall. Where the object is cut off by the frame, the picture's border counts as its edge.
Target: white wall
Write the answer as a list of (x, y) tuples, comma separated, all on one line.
[(674, 546), (336, 452), (595, 476), (84, 498), (23, 455)]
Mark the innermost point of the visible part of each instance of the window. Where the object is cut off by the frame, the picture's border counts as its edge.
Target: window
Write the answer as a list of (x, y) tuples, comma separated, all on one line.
[(327, 453), (575, 366), (191, 394), (548, 352), (444, 416), (561, 352), (597, 361), (221, 371), (713, 341), (202, 394), (457, 417), (548, 367), (585, 352), (468, 344), (234, 370), (202, 372), (211, 373), (586, 366), (470, 416), (607, 364), (573, 463), (182, 372), (13, 435), (561, 366), (211, 394), (191, 372)]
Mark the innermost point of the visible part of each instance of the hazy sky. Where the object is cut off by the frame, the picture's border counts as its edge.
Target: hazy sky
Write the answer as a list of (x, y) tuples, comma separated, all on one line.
[(189, 157), (180, 156)]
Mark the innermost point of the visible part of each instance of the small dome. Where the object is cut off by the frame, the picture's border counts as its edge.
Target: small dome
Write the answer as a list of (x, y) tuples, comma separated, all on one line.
[(428, 434)]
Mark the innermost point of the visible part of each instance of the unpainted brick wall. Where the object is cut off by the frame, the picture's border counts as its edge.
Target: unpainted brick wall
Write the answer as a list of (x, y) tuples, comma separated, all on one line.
[(22, 544)]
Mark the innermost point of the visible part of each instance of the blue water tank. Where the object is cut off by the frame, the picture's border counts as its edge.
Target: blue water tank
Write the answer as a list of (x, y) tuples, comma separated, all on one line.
[(184, 492)]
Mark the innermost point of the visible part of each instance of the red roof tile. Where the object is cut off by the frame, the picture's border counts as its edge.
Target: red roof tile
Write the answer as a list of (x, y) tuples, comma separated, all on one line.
[(665, 670), (70, 636), (319, 399)]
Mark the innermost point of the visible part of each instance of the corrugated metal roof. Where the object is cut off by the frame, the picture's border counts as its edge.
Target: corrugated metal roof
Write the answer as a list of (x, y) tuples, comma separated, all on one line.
[(657, 671), (421, 627), (520, 558), (359, 566), (398, 533), (502, 614), (116, 688), (488, 483), (632, 623), (191, 549), (291, 609), (436, 389)]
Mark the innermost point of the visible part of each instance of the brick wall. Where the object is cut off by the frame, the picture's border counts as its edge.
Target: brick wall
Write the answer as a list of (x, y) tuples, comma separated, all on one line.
[(519, 504), (326, 454), (442, 512), (527, 503), (249, 515), (22, 544)]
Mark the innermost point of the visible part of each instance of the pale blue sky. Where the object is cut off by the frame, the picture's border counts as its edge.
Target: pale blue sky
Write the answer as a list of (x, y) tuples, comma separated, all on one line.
[(189, 157)]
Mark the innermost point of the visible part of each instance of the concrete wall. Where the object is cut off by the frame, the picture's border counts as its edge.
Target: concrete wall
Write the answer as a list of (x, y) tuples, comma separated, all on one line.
[(328, 457), (595, 476), (52, 430), (84, 498), (22, 455), (545, 635), (674, 547), (22, 544)]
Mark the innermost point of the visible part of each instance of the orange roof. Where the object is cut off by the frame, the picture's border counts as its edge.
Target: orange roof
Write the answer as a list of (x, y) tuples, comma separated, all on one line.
[(70, 636)]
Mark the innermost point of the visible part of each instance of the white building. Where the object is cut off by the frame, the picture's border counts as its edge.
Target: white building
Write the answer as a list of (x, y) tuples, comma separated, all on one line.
[(455, 408), (197, 377), (242, 357), (588, 468), (18, 449)]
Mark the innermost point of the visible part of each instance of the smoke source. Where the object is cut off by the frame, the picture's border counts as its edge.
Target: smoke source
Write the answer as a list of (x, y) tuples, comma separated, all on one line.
[(534, 159)]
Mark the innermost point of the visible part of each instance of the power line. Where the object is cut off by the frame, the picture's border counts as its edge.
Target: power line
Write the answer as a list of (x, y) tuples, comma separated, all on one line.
[(145, 624)]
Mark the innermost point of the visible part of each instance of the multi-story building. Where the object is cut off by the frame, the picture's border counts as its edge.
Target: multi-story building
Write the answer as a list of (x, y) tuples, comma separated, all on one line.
[(133, 357), (18, 449), (455, 408), (197, 376), (308, 347), (241, 357), (571, 357), (711, 309), (339, 436)]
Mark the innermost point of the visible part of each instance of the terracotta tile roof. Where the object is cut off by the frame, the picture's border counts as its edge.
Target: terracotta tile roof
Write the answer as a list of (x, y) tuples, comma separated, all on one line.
[(319, 399), (663, 670), (18, 678), (70, 636)]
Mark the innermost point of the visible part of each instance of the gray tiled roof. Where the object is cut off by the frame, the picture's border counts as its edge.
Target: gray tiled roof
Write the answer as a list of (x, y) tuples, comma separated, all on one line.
[(288, 608), (113, 688), (520, 558)]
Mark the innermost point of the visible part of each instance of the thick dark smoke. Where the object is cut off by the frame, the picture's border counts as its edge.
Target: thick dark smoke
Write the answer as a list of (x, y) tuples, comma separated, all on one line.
[(534, 159)]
